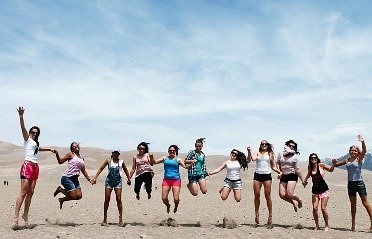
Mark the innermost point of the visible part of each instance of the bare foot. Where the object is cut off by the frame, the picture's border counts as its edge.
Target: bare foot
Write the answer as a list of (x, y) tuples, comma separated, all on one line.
[(60, 203), (148, 195), (15, 224), (269, 220), (317, 228), (326, 229), (104, 224), (168, 207), (299, 203), (352, 229), (256, 219), (25, 218), (122, 224), (138, 197), (175, 208), (58, 190), (294, 207)]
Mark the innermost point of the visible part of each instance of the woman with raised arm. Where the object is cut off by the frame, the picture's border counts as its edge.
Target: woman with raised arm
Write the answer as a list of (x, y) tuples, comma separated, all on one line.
[(172, 179), (70, 178), (355, 180), (29, 172), (262, 176), (198, 171), (320, 188), (116, 167), (233, 180), (287, 162), (142, 167)]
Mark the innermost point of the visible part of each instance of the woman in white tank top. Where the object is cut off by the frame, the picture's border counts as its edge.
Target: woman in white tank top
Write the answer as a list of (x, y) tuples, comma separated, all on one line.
[(233, 180), (264, 164)]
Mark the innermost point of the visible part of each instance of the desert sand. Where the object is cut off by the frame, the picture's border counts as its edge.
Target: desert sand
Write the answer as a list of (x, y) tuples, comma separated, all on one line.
[(197, 217)]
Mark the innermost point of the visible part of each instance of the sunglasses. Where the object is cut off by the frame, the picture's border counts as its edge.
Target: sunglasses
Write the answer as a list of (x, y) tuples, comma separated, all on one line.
[(141, 148), (171, 150), (34, 132), (233, 153), (314, 157), (292, 146), (264, 144)]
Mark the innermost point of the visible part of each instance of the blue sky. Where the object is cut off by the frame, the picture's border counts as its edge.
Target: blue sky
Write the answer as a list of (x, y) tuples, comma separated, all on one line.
[(115, 73)]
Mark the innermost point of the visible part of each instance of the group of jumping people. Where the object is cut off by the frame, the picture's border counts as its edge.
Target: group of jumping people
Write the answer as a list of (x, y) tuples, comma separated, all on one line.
[(285, 165)]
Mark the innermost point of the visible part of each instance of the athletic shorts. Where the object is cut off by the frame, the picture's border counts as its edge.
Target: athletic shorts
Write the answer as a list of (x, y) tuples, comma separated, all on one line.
[(29, 170), (70, 183), (232, 184), (356, 186), (322, 195), (285, 178), (262, 177), (113, 183), (171, 182), (196, 179)]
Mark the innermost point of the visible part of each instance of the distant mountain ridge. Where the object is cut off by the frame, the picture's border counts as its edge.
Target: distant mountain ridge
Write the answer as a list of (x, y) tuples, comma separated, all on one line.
[(367, 162)]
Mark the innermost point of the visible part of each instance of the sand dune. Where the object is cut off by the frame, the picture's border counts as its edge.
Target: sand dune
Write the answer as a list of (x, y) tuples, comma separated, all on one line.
[(198, 217)]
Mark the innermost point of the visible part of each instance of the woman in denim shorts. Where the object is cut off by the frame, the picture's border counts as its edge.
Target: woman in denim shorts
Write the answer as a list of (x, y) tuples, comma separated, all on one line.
[(113, 182), (233, 180), (355, 180)]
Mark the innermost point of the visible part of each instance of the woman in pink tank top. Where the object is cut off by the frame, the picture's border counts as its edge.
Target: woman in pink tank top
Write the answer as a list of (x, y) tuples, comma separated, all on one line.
[(70, 182)]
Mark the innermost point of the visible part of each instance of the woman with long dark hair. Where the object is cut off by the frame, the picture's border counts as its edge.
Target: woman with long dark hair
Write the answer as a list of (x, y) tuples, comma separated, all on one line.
[(29, 172), (233, 179), (320, 188)]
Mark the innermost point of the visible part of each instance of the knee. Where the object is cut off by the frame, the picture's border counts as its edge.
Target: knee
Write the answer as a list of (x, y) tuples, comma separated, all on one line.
[(324, 210), (315, 208), (238, 199), (257, 196), (194, 193), (177, 200), (268, 195), (204, 191)]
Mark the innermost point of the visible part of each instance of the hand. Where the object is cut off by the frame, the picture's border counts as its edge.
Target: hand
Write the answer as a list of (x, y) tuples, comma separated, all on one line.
[(360, 138), (279, 175), (20, 110), (304, 183), (129, 182), (53, 151), (249, 148), (334, 161)]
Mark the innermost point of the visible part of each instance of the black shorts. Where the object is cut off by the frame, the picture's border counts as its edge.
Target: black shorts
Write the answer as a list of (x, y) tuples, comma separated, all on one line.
[(285, 178), (262, 177), (356, 186)]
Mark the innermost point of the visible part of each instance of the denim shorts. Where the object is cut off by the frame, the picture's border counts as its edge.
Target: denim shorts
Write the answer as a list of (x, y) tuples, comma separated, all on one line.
[(232, 184), (196, 179), (356, 186), (113, 183), (70, 183)]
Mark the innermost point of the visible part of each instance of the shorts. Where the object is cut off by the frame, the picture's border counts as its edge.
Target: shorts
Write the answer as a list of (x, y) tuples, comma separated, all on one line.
[(196, 179), (171, 182), (29, 170), (285, 178), (232, 184), (322, 195), (262, 177), (113, 183), (70, 183), (356, 186)]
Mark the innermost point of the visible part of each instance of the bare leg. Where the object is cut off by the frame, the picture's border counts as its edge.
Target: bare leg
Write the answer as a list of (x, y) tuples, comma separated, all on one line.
[(164, 196), (119, 203), (224, 193), (257, 191), (283, 194), (267, 190), (176, 197), (203, 186), (193, 188), (75, 194), (325, 212), (28, 199), (237, 195), (353, 211), (315, 202), (368, 208), (106, 205), (25, 188)]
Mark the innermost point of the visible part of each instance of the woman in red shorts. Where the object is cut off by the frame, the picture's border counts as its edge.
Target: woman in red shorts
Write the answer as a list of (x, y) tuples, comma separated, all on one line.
[(29, 172)]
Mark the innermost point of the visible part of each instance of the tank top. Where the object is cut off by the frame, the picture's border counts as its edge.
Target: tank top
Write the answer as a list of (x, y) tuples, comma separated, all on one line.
[(31, 148), (233, 170), (143, 165), (75, 164), (319, 184), (263, 164), (171, 168), (354, 171)]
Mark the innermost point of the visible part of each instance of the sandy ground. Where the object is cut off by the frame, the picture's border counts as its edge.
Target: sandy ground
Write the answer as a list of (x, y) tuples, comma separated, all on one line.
[(198, 217)]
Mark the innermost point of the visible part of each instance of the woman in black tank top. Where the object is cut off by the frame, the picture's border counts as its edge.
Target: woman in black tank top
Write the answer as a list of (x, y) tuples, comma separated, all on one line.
[(320, 188)]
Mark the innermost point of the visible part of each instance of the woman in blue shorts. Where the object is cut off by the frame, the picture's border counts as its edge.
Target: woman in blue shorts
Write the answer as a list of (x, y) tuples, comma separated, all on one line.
[(355, 180), (70, 178), (233, 180), (113, 181), (197, 172)]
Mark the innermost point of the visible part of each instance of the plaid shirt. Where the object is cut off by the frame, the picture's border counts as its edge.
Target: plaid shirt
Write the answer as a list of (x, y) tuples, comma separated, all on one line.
[(193, 156)]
